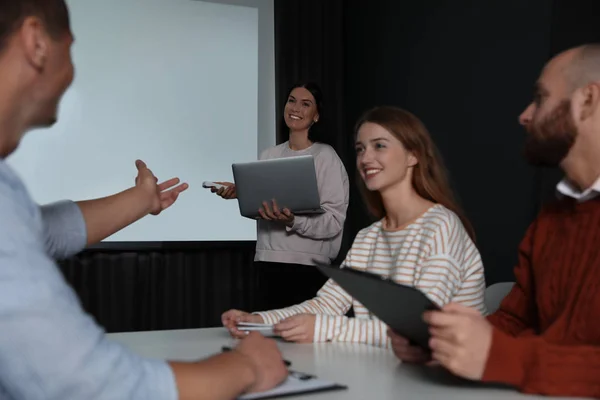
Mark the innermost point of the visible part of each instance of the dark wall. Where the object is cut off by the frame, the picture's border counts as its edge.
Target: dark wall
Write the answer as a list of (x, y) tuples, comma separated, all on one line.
[(467, 69)]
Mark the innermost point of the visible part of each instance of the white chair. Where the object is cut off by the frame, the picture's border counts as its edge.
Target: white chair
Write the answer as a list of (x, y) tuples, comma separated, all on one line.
[(495, 293)]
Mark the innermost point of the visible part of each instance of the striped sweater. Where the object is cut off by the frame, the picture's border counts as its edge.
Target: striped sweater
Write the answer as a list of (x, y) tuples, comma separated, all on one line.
[(433, 253)]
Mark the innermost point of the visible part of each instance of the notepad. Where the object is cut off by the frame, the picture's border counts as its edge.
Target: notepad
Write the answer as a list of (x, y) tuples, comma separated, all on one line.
[(296, 383)]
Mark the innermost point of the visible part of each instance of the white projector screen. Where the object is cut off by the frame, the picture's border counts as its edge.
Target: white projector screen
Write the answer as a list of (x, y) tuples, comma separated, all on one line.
[(184, 85)]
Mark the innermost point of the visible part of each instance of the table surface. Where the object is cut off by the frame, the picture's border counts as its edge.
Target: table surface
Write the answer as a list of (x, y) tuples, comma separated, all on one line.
[(369, 372)]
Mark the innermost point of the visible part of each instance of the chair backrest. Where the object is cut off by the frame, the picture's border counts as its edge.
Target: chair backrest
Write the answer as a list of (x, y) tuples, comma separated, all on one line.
[(495, 293)]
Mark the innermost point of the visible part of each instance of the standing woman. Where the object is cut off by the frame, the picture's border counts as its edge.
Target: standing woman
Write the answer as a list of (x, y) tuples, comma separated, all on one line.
[(286, 243)]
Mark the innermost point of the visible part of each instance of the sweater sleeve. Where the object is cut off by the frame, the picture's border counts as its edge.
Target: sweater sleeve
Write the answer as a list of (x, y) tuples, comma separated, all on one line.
[(339, 328), (535, 366), (332, 181), (331, 299), (452, 270), (517, 312), (64, 229)]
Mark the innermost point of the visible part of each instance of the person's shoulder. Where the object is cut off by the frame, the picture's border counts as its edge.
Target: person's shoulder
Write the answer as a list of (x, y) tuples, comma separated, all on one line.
[(14, 197), (273, 151), (563, 205), (325, 150), (444, 221), (369, 233), (19, 216), (326, 154), (438, 212)]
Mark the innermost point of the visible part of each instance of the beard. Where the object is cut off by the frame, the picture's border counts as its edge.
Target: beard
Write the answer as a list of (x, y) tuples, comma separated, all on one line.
[(549, 141)]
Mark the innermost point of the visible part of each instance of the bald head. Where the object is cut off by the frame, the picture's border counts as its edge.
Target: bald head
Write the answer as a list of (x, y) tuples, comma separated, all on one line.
[(581, 65)]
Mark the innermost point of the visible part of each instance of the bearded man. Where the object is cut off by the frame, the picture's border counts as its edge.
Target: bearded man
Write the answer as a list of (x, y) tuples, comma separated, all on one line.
[(545, 337)]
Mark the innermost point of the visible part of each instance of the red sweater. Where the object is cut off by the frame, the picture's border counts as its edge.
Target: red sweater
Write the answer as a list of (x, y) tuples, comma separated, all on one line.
[(546, 335)]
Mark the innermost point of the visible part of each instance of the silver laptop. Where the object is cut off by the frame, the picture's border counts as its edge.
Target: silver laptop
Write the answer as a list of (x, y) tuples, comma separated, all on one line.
[(292, 181)]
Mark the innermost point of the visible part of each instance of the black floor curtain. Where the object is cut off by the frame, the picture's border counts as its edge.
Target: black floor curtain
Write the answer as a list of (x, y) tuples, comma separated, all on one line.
[(156, 290)]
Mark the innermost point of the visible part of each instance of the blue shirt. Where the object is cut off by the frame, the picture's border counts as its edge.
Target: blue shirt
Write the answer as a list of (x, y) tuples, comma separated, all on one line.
[(49, 347)]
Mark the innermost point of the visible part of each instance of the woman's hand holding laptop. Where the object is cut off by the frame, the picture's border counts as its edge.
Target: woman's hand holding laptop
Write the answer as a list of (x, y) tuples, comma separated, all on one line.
[(269, 212), (273, 213)]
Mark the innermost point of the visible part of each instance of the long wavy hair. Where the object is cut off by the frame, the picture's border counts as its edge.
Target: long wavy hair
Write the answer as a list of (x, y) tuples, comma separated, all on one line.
[(428, 178)]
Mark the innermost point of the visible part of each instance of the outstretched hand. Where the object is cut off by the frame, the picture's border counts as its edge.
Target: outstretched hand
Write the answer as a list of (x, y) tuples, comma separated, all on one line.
[(161, 196)]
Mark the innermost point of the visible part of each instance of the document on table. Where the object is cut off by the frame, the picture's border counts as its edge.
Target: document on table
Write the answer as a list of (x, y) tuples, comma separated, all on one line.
[(296, 383)]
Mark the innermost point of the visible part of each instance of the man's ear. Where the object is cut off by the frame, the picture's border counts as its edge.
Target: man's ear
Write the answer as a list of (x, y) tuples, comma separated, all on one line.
[(586, 101), (35, 42)]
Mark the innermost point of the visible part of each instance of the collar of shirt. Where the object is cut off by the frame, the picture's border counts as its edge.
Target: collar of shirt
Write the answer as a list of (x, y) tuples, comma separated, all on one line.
[(565, 188)]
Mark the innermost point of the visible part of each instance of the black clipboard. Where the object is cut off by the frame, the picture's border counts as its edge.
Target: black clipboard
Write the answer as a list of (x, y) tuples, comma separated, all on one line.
[(399, 306)]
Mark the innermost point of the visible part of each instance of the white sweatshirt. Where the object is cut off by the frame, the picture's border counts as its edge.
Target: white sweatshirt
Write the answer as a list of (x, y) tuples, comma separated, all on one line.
[(311, 237)]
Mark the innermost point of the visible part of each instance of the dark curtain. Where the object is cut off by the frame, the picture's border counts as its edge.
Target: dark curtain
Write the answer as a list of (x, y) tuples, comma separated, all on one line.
[(309, 46), (172, 289)]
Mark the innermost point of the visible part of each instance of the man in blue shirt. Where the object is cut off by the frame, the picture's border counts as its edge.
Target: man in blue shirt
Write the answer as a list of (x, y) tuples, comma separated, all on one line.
[(49, 348)]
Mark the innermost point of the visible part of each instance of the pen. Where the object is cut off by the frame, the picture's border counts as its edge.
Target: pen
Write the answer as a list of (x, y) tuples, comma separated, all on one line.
[(286, 362)]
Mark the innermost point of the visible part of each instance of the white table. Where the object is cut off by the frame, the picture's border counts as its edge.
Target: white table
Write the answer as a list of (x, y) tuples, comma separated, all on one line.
[(369, 372)]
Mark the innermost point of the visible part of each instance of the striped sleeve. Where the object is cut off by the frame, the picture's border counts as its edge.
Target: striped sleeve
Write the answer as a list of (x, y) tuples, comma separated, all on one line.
[(331, 299), (472, 291), (453, 272), (337, 328)]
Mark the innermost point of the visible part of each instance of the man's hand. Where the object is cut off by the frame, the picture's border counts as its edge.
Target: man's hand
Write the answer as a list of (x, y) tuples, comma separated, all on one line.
[(273, 213), (460, 340), (298, 328), (265, 359), (160, 196), (405, 352), (232, 317), (256, 365)]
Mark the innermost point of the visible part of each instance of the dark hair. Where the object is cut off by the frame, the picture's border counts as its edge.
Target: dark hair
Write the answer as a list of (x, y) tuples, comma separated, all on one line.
[(429, 175), (314, 132), (53, 14)]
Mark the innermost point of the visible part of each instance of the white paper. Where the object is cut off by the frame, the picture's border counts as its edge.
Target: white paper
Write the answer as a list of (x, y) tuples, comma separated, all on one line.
[(289, 386)]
